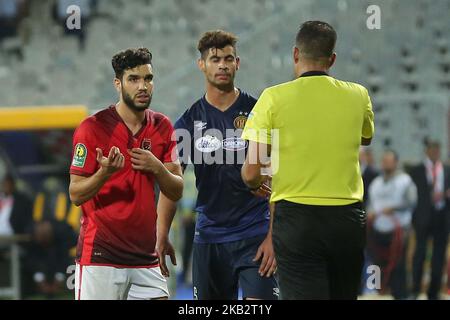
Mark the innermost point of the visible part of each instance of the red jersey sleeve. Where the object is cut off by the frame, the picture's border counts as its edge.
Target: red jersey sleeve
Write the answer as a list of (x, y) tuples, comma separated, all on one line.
[(170, 151), (84, 162)]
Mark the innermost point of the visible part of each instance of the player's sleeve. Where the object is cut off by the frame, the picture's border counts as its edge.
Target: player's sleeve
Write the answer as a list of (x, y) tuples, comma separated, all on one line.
[(368, 128), (184, 135), (259, 123), (170, 151), (84, 162)]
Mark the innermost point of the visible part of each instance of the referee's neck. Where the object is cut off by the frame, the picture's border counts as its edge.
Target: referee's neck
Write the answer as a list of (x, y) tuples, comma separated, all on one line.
[(303, 65), (304, 69)]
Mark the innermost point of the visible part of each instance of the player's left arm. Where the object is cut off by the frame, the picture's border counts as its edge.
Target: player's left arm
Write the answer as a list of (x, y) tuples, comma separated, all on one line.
[(168, 175)]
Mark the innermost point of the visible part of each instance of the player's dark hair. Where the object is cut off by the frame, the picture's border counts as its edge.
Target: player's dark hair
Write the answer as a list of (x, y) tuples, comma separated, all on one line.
[(218, 39), (316, 40), (129, 59)]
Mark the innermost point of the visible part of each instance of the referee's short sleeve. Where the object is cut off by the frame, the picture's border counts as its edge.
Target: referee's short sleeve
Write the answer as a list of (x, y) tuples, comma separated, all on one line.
[(368, 128), (259, 123)]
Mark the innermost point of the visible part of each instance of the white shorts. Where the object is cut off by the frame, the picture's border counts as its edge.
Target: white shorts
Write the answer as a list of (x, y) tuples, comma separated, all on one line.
[(110, 283)]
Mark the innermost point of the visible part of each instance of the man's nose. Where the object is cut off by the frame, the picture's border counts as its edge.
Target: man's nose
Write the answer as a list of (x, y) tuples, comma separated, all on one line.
[(143, 85), (222, 65)]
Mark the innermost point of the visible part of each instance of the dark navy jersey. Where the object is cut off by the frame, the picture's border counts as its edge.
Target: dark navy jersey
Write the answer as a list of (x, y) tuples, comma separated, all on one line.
[(211, 140)]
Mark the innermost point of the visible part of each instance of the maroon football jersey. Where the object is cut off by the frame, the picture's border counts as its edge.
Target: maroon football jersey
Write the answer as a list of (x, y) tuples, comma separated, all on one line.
[(118, 225)]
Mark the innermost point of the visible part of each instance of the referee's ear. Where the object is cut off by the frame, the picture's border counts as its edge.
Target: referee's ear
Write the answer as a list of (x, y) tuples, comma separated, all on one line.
[(296, 54), (332, 60)]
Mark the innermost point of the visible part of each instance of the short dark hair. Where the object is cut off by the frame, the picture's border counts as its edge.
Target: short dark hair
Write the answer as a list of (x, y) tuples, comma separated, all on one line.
[(129, 59), (432, 143), (393, 152), (216, 39), (9, 177), (316, 39)]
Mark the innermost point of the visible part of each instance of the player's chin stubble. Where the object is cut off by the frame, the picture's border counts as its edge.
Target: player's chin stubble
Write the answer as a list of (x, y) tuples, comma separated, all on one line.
[(227, 87), (130, 103)]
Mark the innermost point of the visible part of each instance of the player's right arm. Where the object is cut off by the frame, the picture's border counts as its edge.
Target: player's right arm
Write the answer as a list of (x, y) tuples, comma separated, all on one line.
[(82, 188)]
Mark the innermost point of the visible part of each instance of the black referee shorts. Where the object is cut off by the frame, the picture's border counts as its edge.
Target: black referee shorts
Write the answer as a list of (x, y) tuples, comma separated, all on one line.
[(319, 250)]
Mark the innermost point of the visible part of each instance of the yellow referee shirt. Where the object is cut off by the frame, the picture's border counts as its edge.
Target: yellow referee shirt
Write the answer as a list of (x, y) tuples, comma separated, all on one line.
[(314, 125)]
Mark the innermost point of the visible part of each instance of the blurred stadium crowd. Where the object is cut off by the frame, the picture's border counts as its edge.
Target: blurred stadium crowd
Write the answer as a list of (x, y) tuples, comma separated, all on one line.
[(405, 65)]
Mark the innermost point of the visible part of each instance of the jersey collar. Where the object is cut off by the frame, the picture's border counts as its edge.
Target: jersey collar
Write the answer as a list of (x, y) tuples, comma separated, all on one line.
[(313, 73)]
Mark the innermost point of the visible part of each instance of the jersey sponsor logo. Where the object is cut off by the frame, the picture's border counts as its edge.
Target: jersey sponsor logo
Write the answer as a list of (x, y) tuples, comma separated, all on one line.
[(146, 144), (200, 125), (234, 144), (239, 121), (79, 156), (208, 144)]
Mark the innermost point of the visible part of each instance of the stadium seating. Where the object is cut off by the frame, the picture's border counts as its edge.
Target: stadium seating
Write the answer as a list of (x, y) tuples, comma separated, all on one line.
[(407, 59)]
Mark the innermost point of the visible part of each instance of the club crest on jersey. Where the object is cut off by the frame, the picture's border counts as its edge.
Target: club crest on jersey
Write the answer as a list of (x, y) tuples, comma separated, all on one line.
[(146, 144), (239, 122), (79, 155)]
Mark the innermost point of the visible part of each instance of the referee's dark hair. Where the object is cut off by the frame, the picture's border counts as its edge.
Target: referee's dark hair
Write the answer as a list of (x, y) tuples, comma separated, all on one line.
[(316, 40), (129, 59)]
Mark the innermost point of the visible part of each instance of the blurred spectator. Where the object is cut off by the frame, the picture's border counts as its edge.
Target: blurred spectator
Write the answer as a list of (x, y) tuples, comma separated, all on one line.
[(368, 173), (431, 218), (368, 170), (15, 209), (11, 14), (9, 18), (15, 218), (393, 196), (48, 256)]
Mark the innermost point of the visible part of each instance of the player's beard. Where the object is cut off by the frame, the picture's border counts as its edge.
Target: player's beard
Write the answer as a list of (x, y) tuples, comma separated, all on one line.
[(130, 102)]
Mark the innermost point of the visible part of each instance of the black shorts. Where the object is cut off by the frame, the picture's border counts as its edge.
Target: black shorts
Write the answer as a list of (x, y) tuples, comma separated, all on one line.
[(319, 250), (220, 268)]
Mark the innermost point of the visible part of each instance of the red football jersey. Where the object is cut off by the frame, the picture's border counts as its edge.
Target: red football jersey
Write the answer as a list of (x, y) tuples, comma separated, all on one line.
[(118, 226)]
